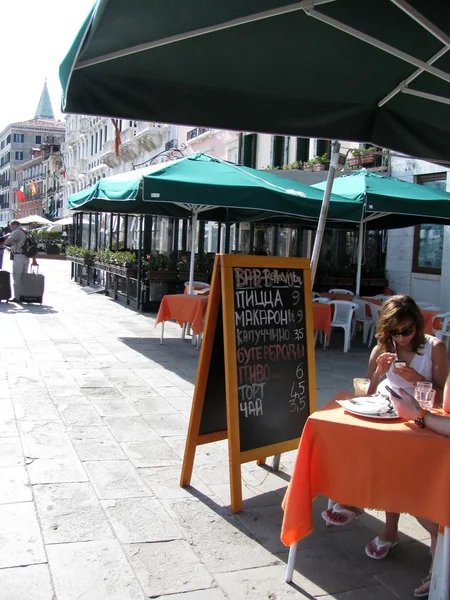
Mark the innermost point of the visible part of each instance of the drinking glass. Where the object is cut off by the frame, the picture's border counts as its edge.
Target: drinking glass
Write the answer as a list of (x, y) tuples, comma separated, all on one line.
[(424, 394), (361, 386)]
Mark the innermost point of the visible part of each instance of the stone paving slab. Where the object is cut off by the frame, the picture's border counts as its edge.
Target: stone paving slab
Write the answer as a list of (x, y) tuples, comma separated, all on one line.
[(93, 419)]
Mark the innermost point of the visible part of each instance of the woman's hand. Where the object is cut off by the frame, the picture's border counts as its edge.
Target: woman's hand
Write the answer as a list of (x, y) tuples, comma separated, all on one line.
[(384, 362), (408, 374)]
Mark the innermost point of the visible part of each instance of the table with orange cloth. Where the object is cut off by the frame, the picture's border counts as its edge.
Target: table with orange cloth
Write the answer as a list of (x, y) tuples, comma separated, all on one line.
[(428, 315), (346, 297), (322, 318), (184, 308), (389, 465)]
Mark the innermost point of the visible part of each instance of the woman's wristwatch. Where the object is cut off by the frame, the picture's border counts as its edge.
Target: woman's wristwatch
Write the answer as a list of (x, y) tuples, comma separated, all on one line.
[(420, 419)]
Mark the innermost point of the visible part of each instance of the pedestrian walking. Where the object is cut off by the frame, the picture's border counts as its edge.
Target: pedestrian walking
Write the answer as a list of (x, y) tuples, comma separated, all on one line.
[(16, 242)]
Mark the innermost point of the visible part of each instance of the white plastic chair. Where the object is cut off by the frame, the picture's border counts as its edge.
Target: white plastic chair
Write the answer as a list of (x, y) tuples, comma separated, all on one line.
[(445, 335), (375, 312), (342, 317), (339, 291), (322, 300), (441, 317), (362, 318), (199, 287)]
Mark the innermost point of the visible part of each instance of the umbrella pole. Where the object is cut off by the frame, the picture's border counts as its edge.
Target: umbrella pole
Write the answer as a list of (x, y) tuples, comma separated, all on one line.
[(193, 243), (324, 211), (360, 250), (139, 266)]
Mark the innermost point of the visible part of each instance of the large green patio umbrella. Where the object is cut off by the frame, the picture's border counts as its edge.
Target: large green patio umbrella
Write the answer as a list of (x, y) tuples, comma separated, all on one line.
[(391, 203), (337, 69), (213, 190)]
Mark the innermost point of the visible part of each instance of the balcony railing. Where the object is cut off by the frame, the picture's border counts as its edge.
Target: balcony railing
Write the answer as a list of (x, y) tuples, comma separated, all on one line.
[(171, 144), (197, 132)]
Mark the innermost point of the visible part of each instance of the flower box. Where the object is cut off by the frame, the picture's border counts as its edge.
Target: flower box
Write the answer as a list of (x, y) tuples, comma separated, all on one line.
[(320, 167), (161, 275), (368, 159), (79, 260), (355, 161), (117, 269), (184, 276)]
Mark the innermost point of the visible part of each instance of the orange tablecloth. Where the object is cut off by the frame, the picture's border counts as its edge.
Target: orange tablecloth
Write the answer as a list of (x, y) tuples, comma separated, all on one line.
[(346, 297), (184, 308), (386, 465), (322, 318), (428, 315)]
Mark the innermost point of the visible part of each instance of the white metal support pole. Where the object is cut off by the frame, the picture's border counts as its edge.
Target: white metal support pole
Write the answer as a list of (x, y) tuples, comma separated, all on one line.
[(360, 251), (291, 562), (193, 246), (440, 580), (324, 211)]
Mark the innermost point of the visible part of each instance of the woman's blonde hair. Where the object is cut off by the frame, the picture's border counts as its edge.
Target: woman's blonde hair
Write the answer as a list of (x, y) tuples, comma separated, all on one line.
[(396, 310)]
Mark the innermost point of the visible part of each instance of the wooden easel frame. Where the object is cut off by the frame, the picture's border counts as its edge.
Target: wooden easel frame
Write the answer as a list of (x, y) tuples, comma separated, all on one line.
[(222, 287)]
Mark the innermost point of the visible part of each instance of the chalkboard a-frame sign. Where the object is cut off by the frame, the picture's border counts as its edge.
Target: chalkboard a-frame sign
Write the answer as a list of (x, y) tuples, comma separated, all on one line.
[(256, 376)]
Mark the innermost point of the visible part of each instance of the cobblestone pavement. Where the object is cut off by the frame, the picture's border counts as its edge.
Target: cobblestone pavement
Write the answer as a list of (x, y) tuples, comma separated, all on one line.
[(93, 421)]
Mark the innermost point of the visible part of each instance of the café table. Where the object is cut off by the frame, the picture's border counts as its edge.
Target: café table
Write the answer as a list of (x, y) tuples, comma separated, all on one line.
[(345, 297), (382, 477), (428, 315), (184, 308)]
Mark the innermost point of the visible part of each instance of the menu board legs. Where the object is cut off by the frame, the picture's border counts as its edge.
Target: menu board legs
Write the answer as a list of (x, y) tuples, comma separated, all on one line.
[(255, 381)]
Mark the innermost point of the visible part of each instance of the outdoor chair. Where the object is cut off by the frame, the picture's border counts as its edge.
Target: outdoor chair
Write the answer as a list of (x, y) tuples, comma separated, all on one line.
[(375, 312), (316, 295), (442, 317), (342, 317), (339, 291), (446, 332), (322, 300), (361, 318), (198, 287)]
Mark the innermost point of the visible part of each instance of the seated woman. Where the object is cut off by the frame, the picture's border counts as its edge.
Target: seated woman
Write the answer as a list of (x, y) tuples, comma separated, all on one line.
[(400, 335)]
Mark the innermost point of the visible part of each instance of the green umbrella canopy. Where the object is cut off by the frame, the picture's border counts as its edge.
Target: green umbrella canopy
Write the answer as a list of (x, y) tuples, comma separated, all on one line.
[(216, 189), (325, 69), (392, 203)]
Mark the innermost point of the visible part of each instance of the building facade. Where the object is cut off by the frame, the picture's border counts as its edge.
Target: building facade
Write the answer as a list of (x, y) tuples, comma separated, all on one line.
[(418, 258), (18, 142)]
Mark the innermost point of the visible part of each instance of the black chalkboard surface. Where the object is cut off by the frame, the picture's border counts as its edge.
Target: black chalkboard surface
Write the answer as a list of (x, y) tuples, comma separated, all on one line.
[(272, 362)]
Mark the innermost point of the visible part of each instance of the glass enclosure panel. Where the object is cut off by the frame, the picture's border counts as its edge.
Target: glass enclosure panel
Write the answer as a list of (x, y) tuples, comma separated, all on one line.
[(85, 231), (113, 233), (162, 235), (93, 222)]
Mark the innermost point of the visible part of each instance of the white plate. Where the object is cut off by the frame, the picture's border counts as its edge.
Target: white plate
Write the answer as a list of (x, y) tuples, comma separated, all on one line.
[(370, 407)]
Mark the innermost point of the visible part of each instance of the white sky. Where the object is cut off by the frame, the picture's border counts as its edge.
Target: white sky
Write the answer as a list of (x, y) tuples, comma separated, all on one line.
[(35, 37)]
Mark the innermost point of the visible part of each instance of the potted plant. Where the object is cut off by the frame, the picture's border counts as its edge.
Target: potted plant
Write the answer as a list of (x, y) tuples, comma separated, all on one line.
[(80, 255), (321, 163), (157, 267), (355, 160), (368, 156), (202, 266), (123, 263)]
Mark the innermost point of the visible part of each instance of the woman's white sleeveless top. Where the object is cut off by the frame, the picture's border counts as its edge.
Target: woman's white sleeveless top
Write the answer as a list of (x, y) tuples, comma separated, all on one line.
[(422, 363)]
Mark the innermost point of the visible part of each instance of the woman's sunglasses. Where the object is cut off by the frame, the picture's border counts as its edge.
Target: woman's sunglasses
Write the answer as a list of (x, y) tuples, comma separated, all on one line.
[(403, 332)]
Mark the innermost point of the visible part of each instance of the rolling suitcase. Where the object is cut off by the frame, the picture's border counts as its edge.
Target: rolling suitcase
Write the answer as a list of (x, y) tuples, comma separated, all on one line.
[(5, 285), (32, 287)]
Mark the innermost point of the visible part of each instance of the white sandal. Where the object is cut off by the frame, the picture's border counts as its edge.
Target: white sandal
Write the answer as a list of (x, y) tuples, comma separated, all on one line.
[(345, 512), (383, 545)]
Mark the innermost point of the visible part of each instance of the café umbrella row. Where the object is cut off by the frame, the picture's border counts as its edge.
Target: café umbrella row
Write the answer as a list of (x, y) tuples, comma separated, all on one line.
[(210, 189)]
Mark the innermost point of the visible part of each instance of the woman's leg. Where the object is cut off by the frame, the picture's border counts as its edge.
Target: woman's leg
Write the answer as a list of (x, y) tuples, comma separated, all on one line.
[(432, 529), (389, 534)]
